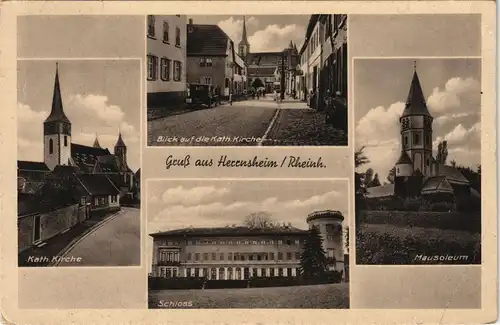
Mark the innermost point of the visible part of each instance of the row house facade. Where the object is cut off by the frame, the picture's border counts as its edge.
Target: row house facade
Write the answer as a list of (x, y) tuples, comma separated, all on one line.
[(166, 60), (324, 57), (213, 60)]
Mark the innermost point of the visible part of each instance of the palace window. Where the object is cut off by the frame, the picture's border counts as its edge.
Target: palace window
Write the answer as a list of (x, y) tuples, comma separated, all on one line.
[(197, 272), (246, 242), (406, 141), (229, 242), (206, 80), (280, 271), (271, 256), (151, 26), (162, 272), (166, 28), (214, 257), (297, 255), (288, 256), (177, 37), (221, 256), (197, 256), (177, 70), (280, 242), (152, 67), (297, 242), (238, 242), (254, 242), (280, 256), (165, 69), (263, 242), (189, 256), (272, 272), (205, 256), (229, 256), (188, 272), (329, 237)]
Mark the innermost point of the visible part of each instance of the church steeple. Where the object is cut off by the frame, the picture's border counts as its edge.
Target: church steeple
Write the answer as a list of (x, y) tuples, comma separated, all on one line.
[(121, 151), (415, 102), (96, 142), (57, 111), (244, 45), (56, 131), (416, 129)]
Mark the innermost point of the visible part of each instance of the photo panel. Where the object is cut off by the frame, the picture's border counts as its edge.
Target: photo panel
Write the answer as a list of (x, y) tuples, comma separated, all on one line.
[(79, 163), (218, 80), (248, 244), (418, 195)]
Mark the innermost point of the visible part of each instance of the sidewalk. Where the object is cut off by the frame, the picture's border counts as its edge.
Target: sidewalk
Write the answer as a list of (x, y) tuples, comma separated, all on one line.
[(55, 245)]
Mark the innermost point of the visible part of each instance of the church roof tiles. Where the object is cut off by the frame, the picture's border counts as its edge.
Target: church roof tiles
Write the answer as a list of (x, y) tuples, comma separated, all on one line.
[(415, 102), (404, 159)]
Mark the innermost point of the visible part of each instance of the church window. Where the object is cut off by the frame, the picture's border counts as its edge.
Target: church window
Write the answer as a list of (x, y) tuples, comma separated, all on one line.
[(416, 139), (428, 162), (406, 141), (65, 140), (51, 146), (397, 170)]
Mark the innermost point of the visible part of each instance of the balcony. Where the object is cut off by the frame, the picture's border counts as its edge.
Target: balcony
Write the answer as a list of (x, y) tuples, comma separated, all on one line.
[(168, 263)]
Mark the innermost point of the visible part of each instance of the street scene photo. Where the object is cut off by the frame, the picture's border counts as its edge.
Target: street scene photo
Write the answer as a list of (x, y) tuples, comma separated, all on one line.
[(78, 162), (248, 244), (418, 161), (262, 80)]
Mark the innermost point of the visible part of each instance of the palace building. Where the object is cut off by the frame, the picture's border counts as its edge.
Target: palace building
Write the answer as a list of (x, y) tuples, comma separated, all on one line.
[(239, 253), (417, 172)]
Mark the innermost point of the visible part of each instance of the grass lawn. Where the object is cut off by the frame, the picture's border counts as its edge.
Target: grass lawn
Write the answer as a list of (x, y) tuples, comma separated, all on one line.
[(323, 296)]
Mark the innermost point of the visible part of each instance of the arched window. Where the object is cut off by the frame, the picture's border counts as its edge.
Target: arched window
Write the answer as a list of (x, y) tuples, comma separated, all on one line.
[(230, 273), (51, 146), (177, 36), (65, 140), (221, 273)]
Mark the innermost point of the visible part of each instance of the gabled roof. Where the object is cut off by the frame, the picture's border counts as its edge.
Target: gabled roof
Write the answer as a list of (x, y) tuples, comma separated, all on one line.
[(415, 103), (65, 170), (404, 159), (453, 175), (437, 184), (230, 231), (261, 71), (263, 59), (57, 111), (32, 166), (85, 156), (206, 40), (380, 191), (96, 143), (97, 184)]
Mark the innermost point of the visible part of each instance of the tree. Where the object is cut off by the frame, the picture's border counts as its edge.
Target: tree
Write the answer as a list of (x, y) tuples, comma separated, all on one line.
[(360, 157), (359, 187), (346, 237), (368, 177), (391, 177), (442, 153), (375, 181), (453, 163), (260, 219), (257, 83), (313, 261)]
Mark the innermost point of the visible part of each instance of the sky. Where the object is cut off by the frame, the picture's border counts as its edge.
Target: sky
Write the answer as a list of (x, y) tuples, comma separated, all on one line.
[(99, 97), (453, 92), (180, 204), (266, 33)]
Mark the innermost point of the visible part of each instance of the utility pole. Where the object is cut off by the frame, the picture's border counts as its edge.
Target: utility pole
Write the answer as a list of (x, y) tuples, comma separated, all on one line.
[(282, 95)]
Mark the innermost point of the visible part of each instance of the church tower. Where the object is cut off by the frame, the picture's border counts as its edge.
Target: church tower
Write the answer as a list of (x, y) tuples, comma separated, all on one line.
[(244, 46), (56, 131), (416, 129), (121, 151)]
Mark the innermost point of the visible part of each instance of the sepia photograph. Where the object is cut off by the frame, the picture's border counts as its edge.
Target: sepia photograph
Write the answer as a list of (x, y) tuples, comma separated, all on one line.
[(248, 244), (78, 162), (262, 80), (418, 161)]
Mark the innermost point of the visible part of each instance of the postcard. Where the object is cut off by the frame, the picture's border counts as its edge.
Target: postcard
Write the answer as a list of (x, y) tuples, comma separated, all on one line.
[(248, 162)]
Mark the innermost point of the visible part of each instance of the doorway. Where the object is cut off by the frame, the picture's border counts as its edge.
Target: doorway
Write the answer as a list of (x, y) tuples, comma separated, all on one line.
[(37, 231)]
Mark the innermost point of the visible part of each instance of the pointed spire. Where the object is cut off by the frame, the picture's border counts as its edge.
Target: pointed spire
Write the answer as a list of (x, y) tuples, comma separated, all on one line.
[(57, 111), (96, 142), (290, 45), (244, 39), (415, 102), (119, 142)]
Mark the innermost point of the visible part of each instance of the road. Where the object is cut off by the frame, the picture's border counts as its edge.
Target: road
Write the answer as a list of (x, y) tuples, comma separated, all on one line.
[(246, 123), (115, 243)]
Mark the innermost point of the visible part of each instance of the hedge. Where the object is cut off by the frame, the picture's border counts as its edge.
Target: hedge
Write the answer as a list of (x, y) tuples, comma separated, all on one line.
[(158, 283), (426, 219), (380, 244)]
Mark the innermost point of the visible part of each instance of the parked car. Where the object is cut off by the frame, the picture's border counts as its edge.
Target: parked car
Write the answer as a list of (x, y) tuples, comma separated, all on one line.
[(201, 95)]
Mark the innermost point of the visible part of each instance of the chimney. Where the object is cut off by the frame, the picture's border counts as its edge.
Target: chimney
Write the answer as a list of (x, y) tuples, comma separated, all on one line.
[(190, 21)]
